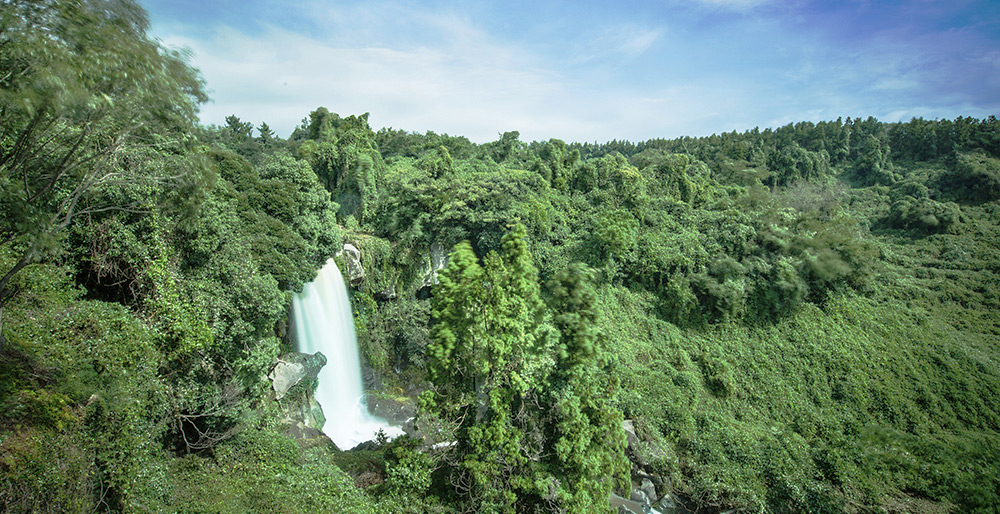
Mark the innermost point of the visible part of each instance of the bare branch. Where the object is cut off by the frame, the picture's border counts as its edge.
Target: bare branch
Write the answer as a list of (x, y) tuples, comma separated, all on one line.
[(41, 145), (22, 139), (57, 174)]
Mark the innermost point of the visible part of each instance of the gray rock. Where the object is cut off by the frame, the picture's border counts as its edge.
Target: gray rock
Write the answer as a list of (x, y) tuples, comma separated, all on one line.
[(291, 368), (666, 504), (393, 409), (626, 506), (629, 427), (661, 483), (303, 416), (284, 376), (355, 271), (312, 415), (438, 261), (649, 490), (639, 496)]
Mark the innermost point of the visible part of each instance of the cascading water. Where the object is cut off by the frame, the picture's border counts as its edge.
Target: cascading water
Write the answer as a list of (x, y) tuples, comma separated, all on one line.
[(324, 323)]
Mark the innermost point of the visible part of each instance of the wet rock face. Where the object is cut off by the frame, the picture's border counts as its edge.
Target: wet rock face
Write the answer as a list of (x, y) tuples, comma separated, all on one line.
[(392, 409), (438, 259)]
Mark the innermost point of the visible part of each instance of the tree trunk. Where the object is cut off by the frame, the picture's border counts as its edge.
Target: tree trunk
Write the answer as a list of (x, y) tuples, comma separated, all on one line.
[(7, 292)]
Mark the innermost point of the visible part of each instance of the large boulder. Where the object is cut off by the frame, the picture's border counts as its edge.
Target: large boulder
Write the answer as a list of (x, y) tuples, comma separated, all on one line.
[(304, 422), (291, 368), (293, 380), (355, 271)]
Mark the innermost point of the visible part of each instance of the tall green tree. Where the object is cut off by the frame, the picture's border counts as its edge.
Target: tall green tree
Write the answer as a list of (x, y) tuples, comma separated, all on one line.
[(587, 445), (530, 410), (487, 359)]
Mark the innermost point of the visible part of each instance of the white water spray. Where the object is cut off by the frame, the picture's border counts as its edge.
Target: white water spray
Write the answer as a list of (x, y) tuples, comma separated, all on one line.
[(324, 323)]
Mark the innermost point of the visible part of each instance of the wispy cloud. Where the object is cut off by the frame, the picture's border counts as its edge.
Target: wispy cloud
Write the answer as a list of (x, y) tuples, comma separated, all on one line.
[(641, 70), (623, 41), (479, 89)]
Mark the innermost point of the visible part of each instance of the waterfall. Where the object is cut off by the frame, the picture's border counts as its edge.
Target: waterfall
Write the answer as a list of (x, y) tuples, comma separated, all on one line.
[(324, 323)]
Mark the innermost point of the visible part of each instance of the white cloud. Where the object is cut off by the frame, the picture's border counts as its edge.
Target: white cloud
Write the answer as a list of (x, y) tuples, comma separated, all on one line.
[(280, 76), (617, 42), (477, 88), (417, 69), (468, 84)]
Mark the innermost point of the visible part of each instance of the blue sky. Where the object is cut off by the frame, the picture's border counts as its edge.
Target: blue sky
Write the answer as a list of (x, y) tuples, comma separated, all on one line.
[(588, 71)]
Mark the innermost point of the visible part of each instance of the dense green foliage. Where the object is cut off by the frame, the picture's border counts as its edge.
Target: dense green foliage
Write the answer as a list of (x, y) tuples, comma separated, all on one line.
[(83, 90), (524, 404), (799, 319), (146, 281)]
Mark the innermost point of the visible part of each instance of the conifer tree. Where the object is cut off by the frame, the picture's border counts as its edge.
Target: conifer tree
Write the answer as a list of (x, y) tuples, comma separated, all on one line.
[(587, 442), (532, 423), (486, 358)]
